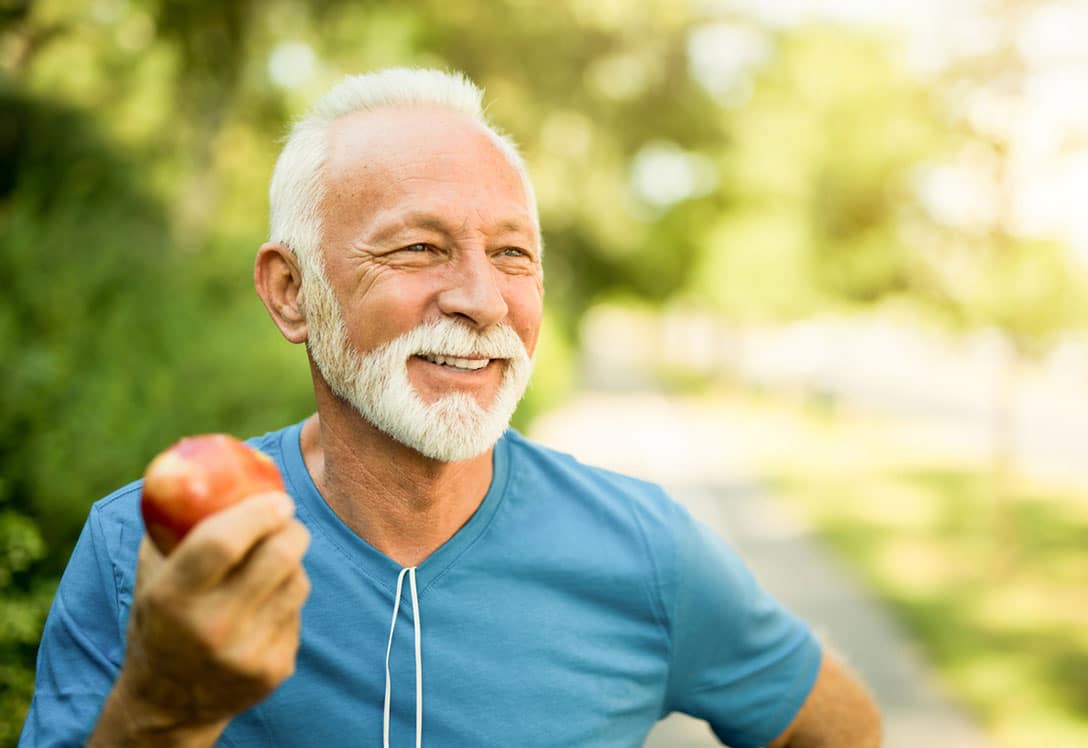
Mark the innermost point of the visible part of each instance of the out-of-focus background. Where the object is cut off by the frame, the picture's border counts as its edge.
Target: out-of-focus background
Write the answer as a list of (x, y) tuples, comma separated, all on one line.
[(818, 266)]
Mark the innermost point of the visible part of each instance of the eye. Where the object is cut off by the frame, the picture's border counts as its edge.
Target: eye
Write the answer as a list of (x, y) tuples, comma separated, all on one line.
[(514, 252), (416, 248)]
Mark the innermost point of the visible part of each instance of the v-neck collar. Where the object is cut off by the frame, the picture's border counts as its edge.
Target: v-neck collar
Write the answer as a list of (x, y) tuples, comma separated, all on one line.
[(379, 567)]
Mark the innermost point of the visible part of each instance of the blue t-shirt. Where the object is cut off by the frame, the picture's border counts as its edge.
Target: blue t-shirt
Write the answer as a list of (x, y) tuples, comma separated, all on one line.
[(575, 608)]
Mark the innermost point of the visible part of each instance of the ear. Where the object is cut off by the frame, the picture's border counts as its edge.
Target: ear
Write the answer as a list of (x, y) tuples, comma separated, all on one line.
[(278, 280)]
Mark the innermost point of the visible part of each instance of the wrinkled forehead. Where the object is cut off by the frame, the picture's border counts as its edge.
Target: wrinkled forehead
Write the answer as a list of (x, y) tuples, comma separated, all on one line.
[(416, 141)]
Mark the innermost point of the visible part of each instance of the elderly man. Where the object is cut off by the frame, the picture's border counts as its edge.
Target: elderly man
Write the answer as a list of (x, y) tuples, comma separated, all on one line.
[(432, 577)]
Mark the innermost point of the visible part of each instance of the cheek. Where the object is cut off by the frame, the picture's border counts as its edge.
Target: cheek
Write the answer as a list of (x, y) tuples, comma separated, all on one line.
[(526, 312), (386, 311)]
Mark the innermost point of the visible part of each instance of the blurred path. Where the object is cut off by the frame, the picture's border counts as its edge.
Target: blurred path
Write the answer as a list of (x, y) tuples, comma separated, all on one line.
[(700, 459), (944, 386)]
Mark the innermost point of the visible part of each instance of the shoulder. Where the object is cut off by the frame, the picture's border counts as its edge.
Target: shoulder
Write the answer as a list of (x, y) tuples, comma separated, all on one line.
[(115, 521), (633, 521), (617, 530), (605, 491)]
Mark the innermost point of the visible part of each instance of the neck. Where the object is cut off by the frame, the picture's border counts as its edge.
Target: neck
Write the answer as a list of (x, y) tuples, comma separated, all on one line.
[(402, 503)]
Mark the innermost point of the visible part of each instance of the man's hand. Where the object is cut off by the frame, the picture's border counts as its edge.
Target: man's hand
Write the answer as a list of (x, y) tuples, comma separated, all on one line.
[(214, 627)]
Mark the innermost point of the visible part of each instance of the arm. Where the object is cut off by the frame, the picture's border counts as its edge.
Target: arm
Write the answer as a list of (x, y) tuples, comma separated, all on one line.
[(749, 667), (838, 712), (214, 627)]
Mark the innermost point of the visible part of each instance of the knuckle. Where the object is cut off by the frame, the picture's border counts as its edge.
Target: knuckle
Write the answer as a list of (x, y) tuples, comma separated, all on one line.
[(268, 673), (214, 634), (294, 592), (303, 586), (285, 668), (298, 536), (288, 547), (156, 597), (302, 533), (220, 548), (282, 551)]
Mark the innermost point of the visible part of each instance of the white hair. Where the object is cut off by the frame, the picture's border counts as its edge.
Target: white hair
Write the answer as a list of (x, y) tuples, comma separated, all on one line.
[(297, 189), (452, 428)]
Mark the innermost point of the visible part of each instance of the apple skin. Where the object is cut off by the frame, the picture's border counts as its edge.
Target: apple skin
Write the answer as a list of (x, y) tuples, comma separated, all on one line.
[(197, 477)]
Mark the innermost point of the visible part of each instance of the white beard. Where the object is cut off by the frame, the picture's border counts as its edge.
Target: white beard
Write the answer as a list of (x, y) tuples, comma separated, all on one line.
[(454, 427)]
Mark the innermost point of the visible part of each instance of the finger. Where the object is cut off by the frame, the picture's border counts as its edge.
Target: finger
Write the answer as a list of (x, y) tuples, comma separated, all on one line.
[(282, 607), (269, 651), (219, 543), (148, 559), (149, 562), (275, 558), (275, 626), (286, 603), (287, 646)]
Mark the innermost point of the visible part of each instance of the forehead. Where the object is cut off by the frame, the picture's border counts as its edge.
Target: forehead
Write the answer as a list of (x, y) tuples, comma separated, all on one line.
[(423, 157)]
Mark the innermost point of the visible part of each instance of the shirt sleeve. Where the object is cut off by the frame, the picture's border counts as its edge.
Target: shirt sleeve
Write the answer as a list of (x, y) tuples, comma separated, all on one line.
[(740, 660), (81, 648)]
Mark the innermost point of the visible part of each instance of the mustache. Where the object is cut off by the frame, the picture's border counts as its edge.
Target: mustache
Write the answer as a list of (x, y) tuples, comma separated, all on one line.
[(446, 337)]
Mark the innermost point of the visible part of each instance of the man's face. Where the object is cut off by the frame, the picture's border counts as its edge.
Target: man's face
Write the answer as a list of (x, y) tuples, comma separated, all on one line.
[(433, 298)]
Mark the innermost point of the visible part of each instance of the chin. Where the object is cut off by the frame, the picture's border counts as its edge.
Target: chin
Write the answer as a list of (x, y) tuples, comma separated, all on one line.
[(451, 429), (454, 427)]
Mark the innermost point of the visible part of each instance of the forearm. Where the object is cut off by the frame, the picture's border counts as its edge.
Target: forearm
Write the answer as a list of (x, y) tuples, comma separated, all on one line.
[(839, 713), (127, 721), (849, 733)]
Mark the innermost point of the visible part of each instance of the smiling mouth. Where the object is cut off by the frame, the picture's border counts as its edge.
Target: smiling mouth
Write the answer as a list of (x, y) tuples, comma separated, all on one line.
[(455, 363)]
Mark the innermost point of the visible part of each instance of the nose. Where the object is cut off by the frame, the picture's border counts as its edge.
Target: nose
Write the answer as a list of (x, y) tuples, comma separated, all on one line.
[(473, 293)]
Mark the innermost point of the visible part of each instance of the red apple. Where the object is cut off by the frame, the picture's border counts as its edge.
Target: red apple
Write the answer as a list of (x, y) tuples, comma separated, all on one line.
[(197, 477)]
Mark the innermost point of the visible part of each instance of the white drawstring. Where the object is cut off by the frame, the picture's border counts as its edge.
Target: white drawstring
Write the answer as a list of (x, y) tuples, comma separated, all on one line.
[(419, 660), (411, 572)]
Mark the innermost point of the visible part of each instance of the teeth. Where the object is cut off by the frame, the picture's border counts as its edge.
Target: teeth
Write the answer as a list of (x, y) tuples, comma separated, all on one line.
[(471, 364)]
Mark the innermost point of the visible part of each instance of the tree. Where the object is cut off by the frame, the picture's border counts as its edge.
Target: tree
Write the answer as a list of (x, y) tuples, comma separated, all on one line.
[(986, 269)]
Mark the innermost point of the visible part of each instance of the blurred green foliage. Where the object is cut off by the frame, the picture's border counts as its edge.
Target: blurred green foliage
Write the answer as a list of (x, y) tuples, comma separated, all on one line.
[(821, 170), (136, 142), (1007, 638)]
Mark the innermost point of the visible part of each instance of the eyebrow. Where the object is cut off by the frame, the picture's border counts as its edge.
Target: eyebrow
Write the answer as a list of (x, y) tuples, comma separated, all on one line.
[(433, 222)]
